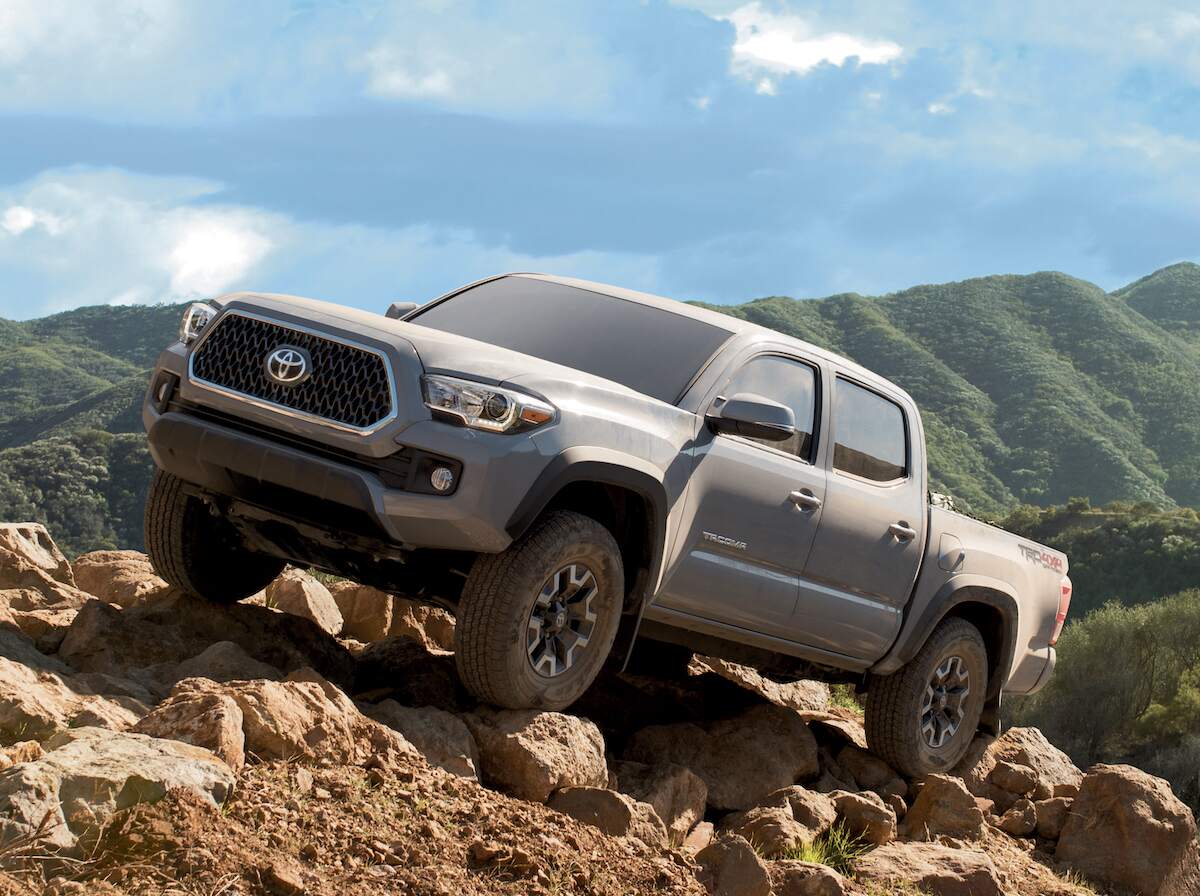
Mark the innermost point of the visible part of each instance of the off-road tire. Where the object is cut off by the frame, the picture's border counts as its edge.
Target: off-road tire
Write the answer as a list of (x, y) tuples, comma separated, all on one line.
[(893, 706), (492, 620), (199, 552)]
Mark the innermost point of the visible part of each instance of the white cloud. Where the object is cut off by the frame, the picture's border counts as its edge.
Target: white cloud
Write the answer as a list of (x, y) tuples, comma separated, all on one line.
[(787, 44), (122, 238)]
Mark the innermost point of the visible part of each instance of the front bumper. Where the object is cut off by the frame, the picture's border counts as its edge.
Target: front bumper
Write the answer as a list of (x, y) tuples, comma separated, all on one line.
[(345, 493)]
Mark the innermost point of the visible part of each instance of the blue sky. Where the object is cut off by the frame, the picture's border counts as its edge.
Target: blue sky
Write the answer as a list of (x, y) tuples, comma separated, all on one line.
[(364, 152)]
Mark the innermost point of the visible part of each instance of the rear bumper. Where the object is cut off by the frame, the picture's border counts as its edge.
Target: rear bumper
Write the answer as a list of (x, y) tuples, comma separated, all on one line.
[(1051, 659), (226, 461)]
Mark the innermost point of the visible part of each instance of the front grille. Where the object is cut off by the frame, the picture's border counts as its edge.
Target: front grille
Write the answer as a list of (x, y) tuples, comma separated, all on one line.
[(348, 386)]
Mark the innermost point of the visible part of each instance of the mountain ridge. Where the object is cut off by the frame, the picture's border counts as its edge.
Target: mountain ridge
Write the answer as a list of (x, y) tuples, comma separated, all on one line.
[(1034, 388)]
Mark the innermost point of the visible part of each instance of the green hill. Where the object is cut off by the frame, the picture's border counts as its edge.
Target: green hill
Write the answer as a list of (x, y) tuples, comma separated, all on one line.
[(1034, 389)]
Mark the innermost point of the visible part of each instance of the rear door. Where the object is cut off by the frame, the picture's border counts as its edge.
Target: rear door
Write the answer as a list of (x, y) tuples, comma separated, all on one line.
[(866, 554), (752, 507)]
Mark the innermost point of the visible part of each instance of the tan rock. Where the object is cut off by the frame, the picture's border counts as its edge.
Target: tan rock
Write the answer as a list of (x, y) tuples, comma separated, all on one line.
[(118, 577), (30, 561), (39, 696), (795, 878), (22, 751), (1051, 816), (799, 695), (677, 795), (1021, 820), (897, 805), (1026, 747), (366, 612), (871, 772), (866, 815), (730, 867), (211, 721), (944, 807), (87, 774), (441, 737), (307, 718), (34, 546), (932, 868), (32, 613), (614, 813), (741, 759), (432, 626), (1018, 779), (298, 593), (177, 627), (698, 837), (530, 754), (770, 829), (1127, 830), (223, 661)]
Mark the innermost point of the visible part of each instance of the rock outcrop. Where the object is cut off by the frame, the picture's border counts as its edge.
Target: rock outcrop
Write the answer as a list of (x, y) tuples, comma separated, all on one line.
[(740, 759), (87, 774), (118, 577), (1127, 830), (531, 754)]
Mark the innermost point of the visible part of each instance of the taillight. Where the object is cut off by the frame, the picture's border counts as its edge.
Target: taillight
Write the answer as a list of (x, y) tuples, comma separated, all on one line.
[(1064, 604)]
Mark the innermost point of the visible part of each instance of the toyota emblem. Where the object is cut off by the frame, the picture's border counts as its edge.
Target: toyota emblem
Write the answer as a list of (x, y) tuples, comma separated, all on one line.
[(288, 365)]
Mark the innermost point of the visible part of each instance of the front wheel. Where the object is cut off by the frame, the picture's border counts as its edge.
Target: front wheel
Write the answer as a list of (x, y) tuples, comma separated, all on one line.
[(922, 718), (536, 622), (195, 550)]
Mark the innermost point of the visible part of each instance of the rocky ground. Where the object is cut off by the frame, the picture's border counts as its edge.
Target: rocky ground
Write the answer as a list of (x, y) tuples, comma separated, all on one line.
[(316, 740)]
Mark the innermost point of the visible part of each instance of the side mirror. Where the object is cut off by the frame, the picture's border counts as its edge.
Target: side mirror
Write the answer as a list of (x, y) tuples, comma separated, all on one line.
[(753, 416), (397, 310)]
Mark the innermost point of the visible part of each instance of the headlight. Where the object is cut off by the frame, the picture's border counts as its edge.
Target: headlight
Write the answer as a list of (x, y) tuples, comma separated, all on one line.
[(485, 407), (195, 318)]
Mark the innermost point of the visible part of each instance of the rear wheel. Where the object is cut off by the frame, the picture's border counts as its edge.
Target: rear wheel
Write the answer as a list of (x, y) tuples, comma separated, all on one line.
[(536, 622), (922, 718), (195, 550)]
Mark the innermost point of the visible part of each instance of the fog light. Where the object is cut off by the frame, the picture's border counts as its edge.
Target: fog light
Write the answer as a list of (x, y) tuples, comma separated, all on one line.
[(442, 479)]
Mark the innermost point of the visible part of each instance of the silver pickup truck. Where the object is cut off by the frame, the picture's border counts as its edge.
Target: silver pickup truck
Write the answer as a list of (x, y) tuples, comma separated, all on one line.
[(583, 474)]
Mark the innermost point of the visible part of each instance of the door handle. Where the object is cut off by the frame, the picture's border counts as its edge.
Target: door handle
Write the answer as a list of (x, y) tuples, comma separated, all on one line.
[(805, 500), (902, 531)]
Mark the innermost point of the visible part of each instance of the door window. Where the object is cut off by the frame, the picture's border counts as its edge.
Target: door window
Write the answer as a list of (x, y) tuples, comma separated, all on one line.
[(791, 383), (870, 439)]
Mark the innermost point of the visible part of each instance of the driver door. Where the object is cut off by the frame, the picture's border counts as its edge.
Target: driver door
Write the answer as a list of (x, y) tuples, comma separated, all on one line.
[(752, 509)]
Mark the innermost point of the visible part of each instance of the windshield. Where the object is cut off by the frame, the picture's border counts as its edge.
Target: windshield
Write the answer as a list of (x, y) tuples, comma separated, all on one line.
[(645, 348)]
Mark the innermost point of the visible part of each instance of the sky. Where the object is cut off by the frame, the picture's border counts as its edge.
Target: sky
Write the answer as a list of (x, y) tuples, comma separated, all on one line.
[(370, 152)]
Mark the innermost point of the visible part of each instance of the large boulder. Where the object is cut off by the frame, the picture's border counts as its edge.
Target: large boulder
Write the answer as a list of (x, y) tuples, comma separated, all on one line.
[(613, 813), (741, 759), (307, 717), (298, 593), (223, 661), (944, 807), (730, 867), (931, 868), (801, 695), (372, 615), (1127, 830), (441, 737), (676, 793), (29, 559), (795, 878), (177, 627), (772, 830), (530, 754), (87, 774), (39, 696), (45, 619), (212, 721), (118, 577), (1026, 751), (865, 815)]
